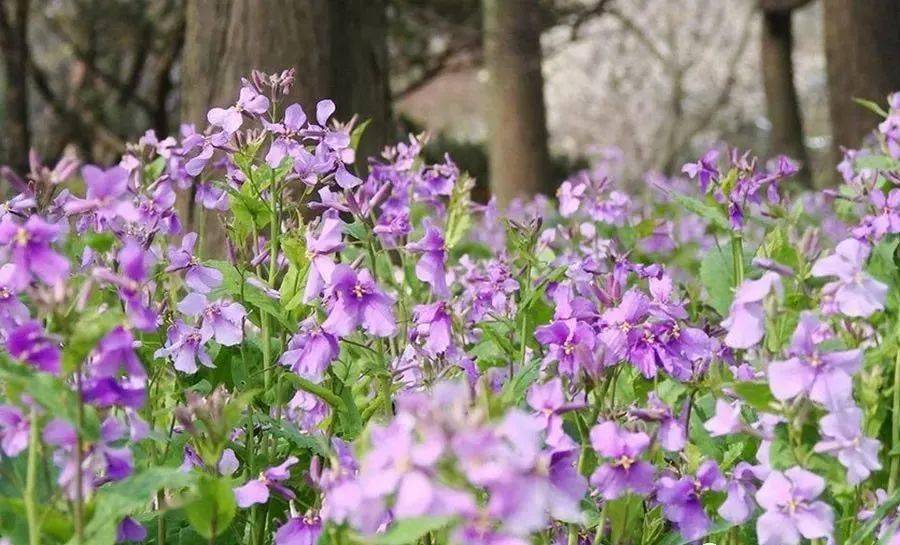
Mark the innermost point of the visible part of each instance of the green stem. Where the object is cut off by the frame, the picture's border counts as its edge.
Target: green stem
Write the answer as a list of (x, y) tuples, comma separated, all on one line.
[(34, 527), (895, 428), (737, 257)]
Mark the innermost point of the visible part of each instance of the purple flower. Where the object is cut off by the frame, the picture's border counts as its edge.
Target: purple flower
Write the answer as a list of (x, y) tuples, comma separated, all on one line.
[(185, 345), (705, 169), (197, 277), (433, 323), (130, 530), (31, 344), (101, 463), (221, 320), (114, 375), (310, 351), (739, 503), (570, 193), (14, 428), (854, 293), (622, 325), (432, 266), (299, 531), (356, 300), (258, 490), (107, 195), (30, 251), (251, 101), (746, 317), (824, 376), (681, 499), (549, 403), (791, 509), (887, 217), (623, 472), (571, 343), (229, 120), (320, 248), (12, 310), (671, 433), (843, 438), (726, 420)]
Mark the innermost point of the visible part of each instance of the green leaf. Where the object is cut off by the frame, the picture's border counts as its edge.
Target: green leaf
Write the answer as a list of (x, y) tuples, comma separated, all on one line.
[(712, 213), (675, 538), (717, 276), (211, 512), (875, 162), (128, 497), (86, 333), (756, 394), (871, 106), (357, 133), (411, 530), (459, 217), (515, 389)]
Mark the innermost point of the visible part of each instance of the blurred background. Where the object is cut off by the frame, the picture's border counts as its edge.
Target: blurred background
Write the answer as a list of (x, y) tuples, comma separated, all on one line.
[(519, 92)]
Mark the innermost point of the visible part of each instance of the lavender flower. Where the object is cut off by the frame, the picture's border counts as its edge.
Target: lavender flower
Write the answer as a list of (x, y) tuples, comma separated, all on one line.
[(571, 344), (31, 253), (843, 438), (624, 471), (432, 266), (184, 346), (31, 344), (854, 293), (433, 323), (310, 351), (221, 320), (258, 490), (681, 499), (824, 376), (356, 300), (746, 317), (198, 277), (14, 429), (791, 509)]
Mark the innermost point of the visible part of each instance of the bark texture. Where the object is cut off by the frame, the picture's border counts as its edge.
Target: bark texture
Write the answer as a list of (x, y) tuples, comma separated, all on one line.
[(519, 161), (14, 49), (226, 40), (782, 105), (359, 77), (862, 49)]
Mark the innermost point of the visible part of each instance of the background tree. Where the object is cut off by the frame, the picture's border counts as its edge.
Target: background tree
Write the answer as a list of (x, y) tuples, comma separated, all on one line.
[(224, 41), (14, 47), (862, 48), (519, 160), (360, 75), (782, 104)]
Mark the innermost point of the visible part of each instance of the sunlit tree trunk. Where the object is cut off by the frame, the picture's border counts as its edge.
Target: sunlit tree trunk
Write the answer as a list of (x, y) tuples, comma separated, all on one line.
[(519, 161), (862, 49), (782, 105)]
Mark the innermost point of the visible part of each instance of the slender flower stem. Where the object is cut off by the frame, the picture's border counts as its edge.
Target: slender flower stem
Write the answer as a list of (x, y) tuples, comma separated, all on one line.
[(34, 526), (737, 257), (895, 428)]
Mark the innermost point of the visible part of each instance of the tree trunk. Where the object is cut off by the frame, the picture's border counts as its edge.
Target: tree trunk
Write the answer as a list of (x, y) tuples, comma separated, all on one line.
[(14, 47), (226, 40), (782, 106), (359, 71), (862, 48), (519, 161)]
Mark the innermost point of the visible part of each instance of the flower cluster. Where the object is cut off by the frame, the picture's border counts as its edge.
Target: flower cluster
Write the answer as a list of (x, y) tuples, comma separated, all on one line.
[(327, 348)]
